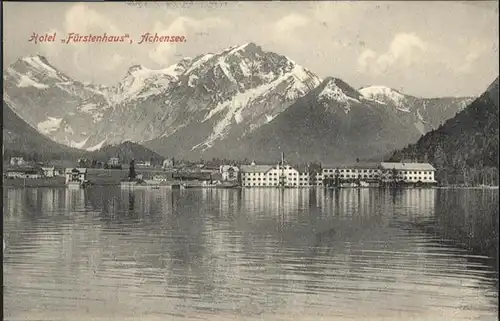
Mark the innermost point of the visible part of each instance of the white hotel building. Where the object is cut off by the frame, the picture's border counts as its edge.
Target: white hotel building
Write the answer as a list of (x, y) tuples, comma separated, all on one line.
[(408, 172), (365, 174), (273, 176)]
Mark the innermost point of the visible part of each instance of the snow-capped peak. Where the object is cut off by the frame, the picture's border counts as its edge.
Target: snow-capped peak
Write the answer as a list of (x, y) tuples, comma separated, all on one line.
[(36, 65), (237, 48), (172, 70), (136, 68), (383, 94), (141, 82), (336, 89), (36, 60)]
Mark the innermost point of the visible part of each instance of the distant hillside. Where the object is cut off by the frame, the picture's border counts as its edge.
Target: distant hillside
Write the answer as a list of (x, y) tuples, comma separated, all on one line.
[(19, 138), (333, 123), (125, 152), (211, 105), (465, 148)]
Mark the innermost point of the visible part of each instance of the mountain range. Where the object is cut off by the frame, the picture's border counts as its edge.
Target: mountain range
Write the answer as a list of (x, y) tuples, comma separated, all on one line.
[(242, 102), (465, 147), (20, 139)]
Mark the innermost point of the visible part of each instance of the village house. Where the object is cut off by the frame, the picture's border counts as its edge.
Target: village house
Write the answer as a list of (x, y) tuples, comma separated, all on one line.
[(76, 174), (60, 172), (17, 161), (143, 164), (49, 171), (408, 172), (114, 161), (25, 172), (162, 178), (168, 163), (229, 173)]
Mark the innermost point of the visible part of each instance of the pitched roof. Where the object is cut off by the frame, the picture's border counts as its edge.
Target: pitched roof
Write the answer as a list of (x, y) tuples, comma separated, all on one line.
[(198, 174), (228, 167), (408, 166), (23, 170), (256, 168), (353, 166)]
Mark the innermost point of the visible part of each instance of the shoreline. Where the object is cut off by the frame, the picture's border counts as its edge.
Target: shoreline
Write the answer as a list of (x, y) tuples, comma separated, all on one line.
[(59, 182)]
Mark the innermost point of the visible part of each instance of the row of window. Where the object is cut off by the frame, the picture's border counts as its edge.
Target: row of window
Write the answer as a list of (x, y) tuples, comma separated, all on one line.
[(274, 174), (418, 178), (319, 181), (415, 172), (273, 179), (349, 170), (373, 172), (352, 176), (411, 177), (263, 184)]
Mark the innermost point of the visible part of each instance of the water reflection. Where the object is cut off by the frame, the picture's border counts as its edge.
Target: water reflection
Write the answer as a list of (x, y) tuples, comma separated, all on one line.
[(255, 253)]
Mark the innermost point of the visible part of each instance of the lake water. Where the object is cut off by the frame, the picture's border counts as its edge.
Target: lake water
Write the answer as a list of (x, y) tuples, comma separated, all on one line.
[(257, 254)]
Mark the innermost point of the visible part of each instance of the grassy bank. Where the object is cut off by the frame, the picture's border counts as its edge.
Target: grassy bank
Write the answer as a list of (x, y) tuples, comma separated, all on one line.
[(94, 175), (114, 176), (35, 182)]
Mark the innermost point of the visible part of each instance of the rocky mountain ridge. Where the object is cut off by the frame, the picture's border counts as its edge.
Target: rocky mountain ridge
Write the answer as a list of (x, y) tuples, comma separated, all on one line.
[(196, 105), (465, 148)]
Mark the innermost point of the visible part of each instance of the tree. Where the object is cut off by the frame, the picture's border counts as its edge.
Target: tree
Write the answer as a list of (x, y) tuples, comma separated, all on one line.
[(131, 171), (441, 162)]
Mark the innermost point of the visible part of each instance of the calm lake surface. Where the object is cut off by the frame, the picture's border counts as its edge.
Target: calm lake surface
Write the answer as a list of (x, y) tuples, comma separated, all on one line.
[(257, 254)]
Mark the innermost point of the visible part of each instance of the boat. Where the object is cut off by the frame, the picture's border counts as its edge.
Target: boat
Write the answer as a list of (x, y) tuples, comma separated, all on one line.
[(198, 184), (227, 185), (193, 185)]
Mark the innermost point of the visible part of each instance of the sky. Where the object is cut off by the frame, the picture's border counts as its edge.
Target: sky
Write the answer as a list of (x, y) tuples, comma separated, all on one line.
[(426, 49)]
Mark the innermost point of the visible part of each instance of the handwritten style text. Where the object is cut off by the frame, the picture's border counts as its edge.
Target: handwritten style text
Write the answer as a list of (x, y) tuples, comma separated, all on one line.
[(36, 38), (147, 37), (76, 38), (104, 38)]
